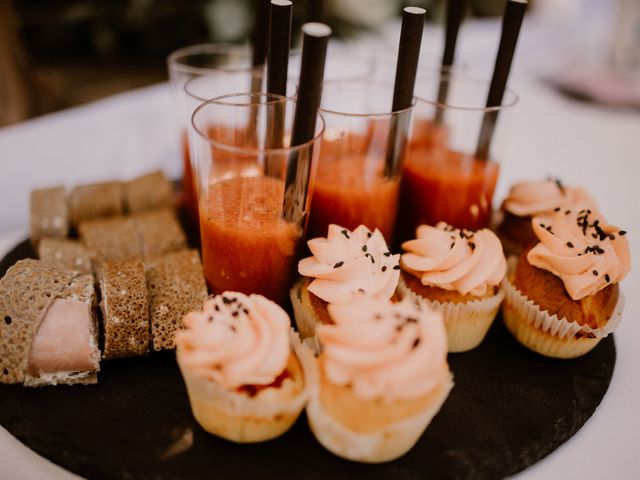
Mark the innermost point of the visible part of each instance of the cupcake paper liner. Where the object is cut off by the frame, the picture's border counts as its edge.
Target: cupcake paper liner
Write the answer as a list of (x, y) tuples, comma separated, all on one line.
[(241, 418), (466, 323), (559, 327), (387, 444)]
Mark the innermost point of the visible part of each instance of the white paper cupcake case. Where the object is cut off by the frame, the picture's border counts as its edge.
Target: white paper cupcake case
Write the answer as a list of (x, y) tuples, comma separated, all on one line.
[(466, 323), (236, 404), (561, 328), (384, 445)]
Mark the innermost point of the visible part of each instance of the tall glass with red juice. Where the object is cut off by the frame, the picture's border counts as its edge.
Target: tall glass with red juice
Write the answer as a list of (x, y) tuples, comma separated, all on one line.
[(358, 178), (253, 200), (223, 69), (443, 178)]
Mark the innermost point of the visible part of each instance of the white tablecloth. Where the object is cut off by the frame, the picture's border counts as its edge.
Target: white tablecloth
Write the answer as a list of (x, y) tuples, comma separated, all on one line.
[(133, 132)]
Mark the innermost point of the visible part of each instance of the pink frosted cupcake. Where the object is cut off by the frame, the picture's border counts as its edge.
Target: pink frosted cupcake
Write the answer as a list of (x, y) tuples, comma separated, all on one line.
[(344, 267), (562, 296), (536, 199), (380, 379), (457, 272), (244, 380)]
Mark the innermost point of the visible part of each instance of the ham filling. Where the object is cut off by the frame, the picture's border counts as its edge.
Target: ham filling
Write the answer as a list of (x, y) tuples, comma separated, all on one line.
[(65, 341)]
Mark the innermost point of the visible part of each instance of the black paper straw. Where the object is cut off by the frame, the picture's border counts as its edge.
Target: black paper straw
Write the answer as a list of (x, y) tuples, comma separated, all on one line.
[(406, 69), (277, 66), (455, 12), (511, 23), (259, 35), (314, 51), (278, 52)]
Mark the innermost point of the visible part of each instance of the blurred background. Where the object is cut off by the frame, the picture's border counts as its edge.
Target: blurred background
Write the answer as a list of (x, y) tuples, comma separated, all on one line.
[(54, 55)]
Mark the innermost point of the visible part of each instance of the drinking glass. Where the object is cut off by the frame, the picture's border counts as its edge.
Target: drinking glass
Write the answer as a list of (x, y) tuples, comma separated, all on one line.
[(253, 198), (447, 176)]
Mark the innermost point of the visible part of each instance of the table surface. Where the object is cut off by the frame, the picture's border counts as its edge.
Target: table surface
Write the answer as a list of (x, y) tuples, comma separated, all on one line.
[(131, 133)]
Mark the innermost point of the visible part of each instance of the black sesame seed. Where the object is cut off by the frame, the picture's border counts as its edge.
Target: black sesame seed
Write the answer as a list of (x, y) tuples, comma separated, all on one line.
[(370, 257), (607, 278), (345, 233), (361, 290), (595, 272), (543, 225), (226, 300), (384, 268), (364, 248), (233, 329), (557, 209), (234, 314), (612, 236), (369, 234), (416, 343), (7, 320), (622, 233), (472, 246), (246, 311), (569, 244), (217, 307), (387, 254), (210, 318), (396, 267), (412, 320), (567, 212), (338, 265), (452, 245)]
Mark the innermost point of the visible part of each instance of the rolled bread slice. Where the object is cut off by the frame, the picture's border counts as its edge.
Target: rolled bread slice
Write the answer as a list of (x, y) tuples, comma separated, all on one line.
[(49, 214), (65, 253), (27, 291), (147, 192), (176, 287), (88, 202), (125, 309), (65, 349), (112, 239), (159, 232)]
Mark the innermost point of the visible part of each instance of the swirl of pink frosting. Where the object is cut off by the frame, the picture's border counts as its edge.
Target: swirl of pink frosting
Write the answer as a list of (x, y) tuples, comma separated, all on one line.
[(453, 259), (392, 351), (349, 265), (582, 250), (541, 198), (236, 340)]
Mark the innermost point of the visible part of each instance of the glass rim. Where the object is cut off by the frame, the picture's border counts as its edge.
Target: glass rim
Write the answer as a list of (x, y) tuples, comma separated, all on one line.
[(255, 151), (364, 115), (255, 74), (470, 79), (174, 63)]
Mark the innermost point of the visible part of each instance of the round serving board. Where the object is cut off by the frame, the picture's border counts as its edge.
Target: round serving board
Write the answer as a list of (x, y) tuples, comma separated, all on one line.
[(509, 408)]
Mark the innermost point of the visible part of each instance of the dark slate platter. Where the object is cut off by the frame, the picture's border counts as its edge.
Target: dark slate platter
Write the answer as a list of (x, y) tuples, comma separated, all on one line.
[(508, 409)]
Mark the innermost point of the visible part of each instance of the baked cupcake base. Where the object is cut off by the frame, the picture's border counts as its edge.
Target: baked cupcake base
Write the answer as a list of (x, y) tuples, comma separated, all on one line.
[(467, 323), (547, 334), (304, 312), (243, 418), (368, 431)]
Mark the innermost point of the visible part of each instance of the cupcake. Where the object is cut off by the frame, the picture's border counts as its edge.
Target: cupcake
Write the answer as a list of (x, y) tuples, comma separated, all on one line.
[(536, 199), (245, 383), (380, 379), (457, 272), (562, 296), (343, 267)]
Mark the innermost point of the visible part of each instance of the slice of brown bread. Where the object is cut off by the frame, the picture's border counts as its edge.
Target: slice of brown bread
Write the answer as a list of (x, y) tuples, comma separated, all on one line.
[(159, 232), (26, 292), (49, 214), (89, 202), (176, 287), (147, 192), (110, 239), (65, 253), (81, 289), (125, 309)]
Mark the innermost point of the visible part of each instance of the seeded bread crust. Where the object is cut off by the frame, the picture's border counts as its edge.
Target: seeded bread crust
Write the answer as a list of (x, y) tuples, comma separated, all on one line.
[(147, 192), (65, 253), (80, 289), (26, 292), (111, 239), (176, 287), (89, 202), (159, 232), (49, 214), (125, 309)]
